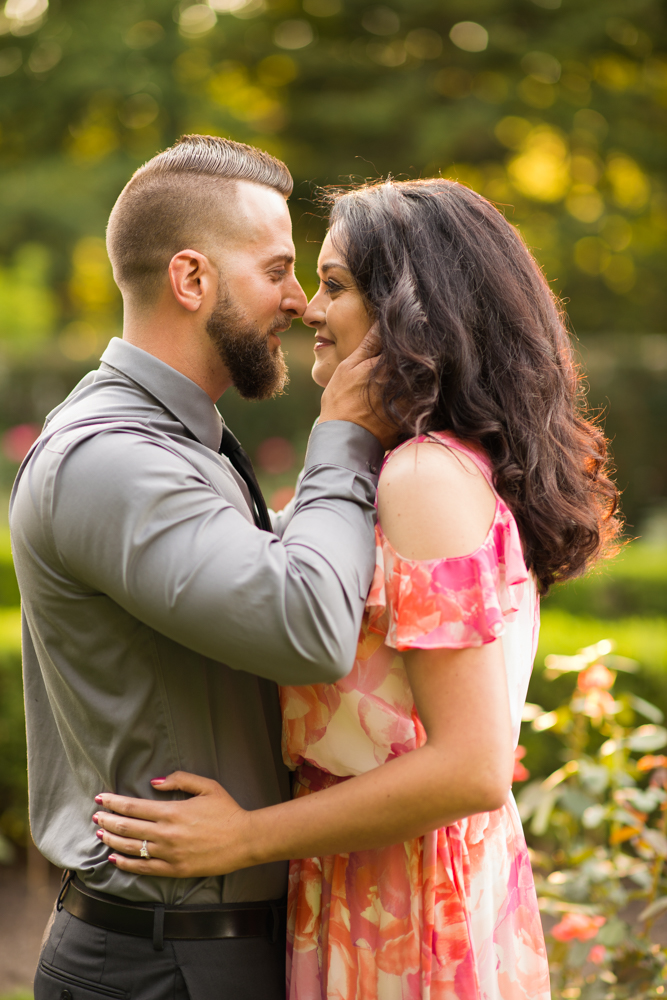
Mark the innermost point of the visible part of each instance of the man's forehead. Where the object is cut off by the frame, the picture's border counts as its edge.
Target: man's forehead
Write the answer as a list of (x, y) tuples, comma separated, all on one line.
[(259, 202), (254, 221)]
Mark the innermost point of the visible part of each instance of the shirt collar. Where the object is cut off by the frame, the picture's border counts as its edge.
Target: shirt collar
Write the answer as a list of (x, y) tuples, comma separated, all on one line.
[(178, 394)]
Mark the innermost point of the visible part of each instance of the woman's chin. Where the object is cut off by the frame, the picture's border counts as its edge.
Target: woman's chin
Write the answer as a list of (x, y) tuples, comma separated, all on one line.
[(321, 373)]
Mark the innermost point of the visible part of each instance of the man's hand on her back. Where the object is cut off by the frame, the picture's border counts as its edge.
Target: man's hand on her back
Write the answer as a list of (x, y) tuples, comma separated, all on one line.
[(348, 396)]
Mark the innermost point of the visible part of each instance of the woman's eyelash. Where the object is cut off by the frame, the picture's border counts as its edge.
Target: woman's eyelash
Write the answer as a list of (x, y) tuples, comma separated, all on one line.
[(333, 286)]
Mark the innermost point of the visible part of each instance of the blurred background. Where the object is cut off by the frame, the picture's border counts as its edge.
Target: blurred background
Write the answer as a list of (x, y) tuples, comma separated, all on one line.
[(556, 110)]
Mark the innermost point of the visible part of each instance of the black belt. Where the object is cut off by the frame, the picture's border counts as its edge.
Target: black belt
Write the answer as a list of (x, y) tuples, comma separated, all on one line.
[(195, 923)]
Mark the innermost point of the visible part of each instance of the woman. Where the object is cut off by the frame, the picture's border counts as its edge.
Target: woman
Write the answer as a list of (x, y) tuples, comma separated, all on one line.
[(409, 875)]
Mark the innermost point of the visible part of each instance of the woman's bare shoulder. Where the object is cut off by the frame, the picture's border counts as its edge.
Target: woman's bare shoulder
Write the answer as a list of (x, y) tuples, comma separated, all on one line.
[(434, 502)]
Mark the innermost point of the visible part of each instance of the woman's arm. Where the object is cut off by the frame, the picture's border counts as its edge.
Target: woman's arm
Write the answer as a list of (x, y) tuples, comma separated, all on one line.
[(461, 697)]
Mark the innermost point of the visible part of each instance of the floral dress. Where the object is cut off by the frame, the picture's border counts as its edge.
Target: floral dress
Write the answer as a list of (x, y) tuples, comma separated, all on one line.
[(451, 915)]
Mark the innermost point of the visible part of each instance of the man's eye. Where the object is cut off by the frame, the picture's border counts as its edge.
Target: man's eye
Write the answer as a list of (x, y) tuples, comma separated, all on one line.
[(279, 275)]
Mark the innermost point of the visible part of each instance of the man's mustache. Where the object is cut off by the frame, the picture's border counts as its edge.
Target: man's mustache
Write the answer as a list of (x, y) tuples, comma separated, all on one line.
[(280, 326)]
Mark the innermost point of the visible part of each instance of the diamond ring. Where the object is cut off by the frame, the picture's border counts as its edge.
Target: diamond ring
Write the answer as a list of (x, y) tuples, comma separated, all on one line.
[(143, 853)]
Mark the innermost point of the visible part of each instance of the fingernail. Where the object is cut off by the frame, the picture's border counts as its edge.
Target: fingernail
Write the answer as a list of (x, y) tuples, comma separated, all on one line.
[(99, 833), (95, 818), (157, 781), (98, 799), (112, 859)]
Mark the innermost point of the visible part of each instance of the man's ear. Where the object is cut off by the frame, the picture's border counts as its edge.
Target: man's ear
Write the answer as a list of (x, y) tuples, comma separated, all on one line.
[(192, 278)]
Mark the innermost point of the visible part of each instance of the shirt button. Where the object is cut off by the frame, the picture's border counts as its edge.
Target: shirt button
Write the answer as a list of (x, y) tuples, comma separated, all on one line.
[(66, 995), (372, 468)]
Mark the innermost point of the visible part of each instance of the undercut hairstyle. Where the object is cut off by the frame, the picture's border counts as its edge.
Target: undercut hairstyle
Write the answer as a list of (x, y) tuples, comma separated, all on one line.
[(473, 341), (176, 201)]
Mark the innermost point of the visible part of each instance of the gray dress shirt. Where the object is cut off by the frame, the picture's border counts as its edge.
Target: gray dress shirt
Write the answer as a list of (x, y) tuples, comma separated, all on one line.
[(157, 618)]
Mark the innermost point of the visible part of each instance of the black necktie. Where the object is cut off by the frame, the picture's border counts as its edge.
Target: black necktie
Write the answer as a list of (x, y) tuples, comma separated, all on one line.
[(230, 447)]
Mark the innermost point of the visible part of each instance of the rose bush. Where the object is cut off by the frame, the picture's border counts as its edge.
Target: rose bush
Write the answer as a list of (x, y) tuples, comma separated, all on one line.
[(597, 831)]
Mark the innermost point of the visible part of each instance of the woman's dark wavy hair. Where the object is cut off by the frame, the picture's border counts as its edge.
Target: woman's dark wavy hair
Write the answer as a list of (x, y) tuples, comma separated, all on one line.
[(473, 341)]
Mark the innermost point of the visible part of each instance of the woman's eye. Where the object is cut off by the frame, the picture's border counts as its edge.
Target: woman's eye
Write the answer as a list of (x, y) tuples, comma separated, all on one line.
[(332, 286)]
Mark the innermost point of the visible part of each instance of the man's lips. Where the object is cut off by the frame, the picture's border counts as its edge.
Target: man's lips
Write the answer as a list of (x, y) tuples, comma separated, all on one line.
[(321, 342)]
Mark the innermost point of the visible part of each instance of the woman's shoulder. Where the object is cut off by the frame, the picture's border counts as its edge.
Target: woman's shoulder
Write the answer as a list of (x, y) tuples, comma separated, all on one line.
[(435, 498)]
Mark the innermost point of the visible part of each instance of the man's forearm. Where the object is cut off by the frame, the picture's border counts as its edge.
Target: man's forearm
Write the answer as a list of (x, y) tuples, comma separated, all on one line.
[(190, 565)]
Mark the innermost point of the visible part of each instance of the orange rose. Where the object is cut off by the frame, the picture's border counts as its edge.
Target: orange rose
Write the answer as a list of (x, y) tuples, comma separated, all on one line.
[(649, 762), (596, 676), (577, 925), (521, 773)]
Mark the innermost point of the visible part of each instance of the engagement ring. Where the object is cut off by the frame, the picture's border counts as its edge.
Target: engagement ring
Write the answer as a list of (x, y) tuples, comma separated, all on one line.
[(143, 853)]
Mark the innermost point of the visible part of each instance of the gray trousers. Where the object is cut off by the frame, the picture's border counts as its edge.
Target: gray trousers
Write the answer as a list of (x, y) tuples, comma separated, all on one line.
[(82, 962)]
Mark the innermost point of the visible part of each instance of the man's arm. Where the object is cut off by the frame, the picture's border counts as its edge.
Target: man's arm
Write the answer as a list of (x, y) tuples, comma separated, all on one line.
[(135, 521), (281, 518)]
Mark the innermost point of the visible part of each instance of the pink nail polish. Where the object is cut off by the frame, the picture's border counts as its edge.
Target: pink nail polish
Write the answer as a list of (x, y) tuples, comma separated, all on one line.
[(157, 781), (112, 859), (99, 833), (96, 818), (98, 799)]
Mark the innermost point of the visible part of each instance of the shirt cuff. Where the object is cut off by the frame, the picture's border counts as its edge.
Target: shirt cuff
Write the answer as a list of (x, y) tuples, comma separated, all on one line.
[(340, 442)]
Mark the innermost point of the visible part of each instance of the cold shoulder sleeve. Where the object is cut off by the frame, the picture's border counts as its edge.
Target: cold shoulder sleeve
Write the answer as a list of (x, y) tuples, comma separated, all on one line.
[(448, 603)]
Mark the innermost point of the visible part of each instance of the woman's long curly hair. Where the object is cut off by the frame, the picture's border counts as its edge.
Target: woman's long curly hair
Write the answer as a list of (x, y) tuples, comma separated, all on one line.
[(473, 341)]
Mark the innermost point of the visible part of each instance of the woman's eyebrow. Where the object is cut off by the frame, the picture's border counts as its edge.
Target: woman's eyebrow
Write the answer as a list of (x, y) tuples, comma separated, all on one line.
[(329, 264)]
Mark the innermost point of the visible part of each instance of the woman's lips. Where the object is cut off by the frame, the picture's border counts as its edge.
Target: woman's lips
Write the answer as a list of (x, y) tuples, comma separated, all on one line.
[(321, 342)]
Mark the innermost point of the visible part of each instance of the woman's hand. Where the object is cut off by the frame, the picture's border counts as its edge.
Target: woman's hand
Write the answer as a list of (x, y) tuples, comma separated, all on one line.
[(204, 835), (352, 395)]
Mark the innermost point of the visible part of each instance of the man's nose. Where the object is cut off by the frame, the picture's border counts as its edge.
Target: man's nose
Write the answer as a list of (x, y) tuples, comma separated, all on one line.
[(294, 300)]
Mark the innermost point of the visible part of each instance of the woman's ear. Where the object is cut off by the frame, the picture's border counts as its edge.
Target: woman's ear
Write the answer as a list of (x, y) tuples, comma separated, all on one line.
[(192, 278)]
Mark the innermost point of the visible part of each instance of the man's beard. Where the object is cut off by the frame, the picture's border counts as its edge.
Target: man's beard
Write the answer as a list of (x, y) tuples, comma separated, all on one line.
[(256, 371)]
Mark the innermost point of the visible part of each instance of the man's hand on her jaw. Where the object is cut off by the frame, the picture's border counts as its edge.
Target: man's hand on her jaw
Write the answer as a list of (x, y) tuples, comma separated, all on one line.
[(348, 396)]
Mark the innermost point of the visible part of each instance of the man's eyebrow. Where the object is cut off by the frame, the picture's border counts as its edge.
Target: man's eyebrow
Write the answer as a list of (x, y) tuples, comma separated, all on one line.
[(280, 258)]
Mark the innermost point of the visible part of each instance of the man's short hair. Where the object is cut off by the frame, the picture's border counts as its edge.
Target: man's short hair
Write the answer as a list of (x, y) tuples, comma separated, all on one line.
[(170, 204)]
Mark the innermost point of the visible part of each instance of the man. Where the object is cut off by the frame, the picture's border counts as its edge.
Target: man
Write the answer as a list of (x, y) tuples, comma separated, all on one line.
[(159, 608)]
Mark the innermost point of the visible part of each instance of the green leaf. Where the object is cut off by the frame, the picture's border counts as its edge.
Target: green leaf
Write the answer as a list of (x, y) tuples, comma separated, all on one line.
[(614, 932), (654, 908), (593, 816), (647, 738), (645, 708), (645, 800), (656, 840), (543, 813)]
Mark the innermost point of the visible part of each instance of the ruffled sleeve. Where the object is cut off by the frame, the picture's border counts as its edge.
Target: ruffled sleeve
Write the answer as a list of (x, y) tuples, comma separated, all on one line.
[(448, 603)]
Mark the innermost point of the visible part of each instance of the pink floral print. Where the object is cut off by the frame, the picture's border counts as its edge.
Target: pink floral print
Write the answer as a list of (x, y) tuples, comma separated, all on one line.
[(452, 915)]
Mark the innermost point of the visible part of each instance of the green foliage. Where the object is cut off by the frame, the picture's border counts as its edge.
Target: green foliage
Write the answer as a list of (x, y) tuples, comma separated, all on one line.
[(643, 639), (555, 111), (13, 784), (27, 302), (9, 588), (634, 583), (640, 641), (597, 826)]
